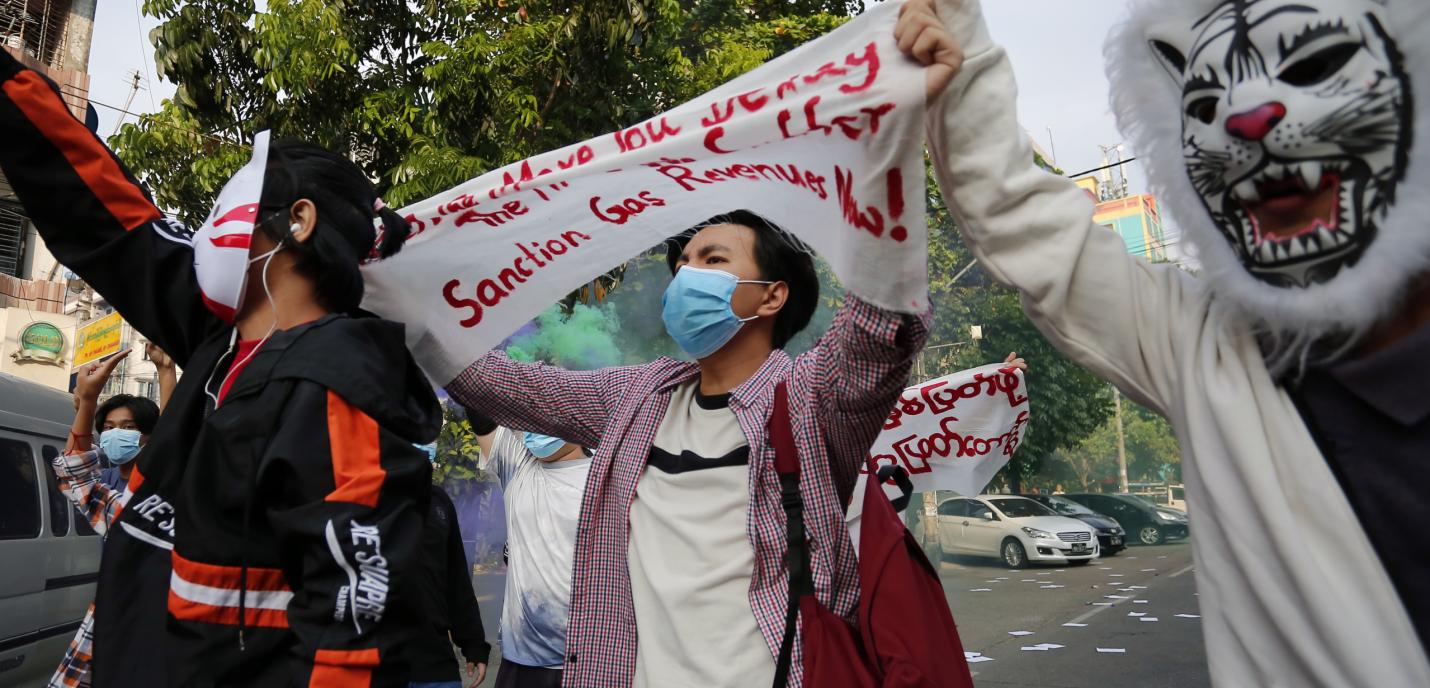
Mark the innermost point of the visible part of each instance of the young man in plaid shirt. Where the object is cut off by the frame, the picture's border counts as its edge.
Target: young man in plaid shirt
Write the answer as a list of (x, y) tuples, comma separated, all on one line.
[(679, 576)]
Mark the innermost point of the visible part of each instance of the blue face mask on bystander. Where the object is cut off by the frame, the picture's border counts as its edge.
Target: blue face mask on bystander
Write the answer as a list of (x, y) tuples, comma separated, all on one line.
[(542, 446), (118, 445), (697, 312)]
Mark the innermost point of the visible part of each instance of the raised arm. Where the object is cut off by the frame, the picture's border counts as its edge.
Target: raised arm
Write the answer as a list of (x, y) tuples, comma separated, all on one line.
[(93, 215), (572, 405), (1032, 230), (855, 374)]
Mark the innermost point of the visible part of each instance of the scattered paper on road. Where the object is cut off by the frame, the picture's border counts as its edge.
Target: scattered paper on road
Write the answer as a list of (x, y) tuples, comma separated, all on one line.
[(1034, 648), (1075, 625), (1050, 587), (979, 658), (1115, 597), (1149, 570), (1102, 604), (1051, 646), (1189, 616), (1020, 633), (981, 590), (1136, 587), (1136, 614), (1115, 575), (1139, 601), (1112, 650), (1148, 618), (1029, 580)]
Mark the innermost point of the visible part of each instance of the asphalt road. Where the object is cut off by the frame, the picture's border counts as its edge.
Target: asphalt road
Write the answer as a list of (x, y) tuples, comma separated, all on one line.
[(1153, 582), (1166, 653)]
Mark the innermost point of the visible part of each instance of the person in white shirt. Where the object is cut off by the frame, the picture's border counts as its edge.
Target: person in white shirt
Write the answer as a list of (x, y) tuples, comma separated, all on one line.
[(542, 480)]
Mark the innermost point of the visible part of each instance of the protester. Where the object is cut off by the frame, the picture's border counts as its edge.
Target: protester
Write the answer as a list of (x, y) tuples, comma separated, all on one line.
[(679, 573), (124, 428), (1288, 141), (277, 510), (451, 613), (542, 480), (123, 422)]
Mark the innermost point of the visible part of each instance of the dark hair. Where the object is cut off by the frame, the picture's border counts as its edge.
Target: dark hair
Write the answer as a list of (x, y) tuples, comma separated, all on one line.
[(345, 235), (145, 412), (781, 257)]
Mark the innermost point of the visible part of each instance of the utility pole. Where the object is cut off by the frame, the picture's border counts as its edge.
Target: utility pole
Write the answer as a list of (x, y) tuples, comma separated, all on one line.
[(1121, 443), (133, 89)]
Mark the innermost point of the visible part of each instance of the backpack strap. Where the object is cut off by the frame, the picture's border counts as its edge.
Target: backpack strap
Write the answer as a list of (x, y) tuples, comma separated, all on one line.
[(801, 583)]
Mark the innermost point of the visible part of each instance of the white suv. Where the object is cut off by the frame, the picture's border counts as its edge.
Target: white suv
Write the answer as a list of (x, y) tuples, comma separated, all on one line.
[(1016, 529)]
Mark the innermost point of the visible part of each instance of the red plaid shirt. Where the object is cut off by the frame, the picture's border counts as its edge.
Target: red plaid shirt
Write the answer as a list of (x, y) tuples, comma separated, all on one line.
[(840, 393)]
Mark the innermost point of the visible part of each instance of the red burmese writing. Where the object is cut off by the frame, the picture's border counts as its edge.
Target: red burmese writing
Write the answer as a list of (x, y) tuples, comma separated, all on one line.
[(489, 292), (914, 452), (938, 398)]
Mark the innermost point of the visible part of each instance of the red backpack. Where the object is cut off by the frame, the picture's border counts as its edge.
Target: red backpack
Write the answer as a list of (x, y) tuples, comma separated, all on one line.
[(905, 636)]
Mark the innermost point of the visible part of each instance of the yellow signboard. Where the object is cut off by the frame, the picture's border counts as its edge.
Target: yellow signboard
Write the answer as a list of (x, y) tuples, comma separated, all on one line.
[(98, 339)]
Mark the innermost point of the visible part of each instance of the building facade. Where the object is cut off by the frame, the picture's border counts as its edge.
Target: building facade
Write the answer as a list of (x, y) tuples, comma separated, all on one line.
[(1135, 217), (51, 323)]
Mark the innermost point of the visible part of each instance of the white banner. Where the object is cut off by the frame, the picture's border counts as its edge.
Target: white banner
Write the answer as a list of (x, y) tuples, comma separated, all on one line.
[(953, 433), (825, 141)]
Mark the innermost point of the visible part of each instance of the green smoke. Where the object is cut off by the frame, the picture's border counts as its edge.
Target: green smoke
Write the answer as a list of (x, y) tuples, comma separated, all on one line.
[(584, 339)]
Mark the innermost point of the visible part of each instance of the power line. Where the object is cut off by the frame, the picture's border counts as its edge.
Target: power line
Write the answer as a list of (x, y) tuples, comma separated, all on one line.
[(1104, 167)]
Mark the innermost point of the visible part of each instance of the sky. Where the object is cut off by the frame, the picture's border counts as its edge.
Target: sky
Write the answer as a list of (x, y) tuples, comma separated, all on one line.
[(1055, 46)]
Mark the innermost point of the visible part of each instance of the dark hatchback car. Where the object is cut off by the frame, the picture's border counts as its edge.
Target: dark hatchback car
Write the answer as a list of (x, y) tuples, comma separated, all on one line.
[(1146, 523), (1110, 536)]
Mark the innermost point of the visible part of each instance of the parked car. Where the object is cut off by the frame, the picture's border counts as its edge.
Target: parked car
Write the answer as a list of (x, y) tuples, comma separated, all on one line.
[(1146, 523), (49, 556), (1015, 529), (1110, 536)]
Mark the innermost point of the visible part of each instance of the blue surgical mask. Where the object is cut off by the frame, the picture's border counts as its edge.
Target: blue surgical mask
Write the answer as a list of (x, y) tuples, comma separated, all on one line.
[(430, 449), (118, 445), (697, 312), (542, 446)]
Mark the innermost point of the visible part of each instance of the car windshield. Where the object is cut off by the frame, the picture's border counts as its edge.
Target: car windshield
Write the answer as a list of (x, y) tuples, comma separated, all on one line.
[(1068, 507), (1022, 508)]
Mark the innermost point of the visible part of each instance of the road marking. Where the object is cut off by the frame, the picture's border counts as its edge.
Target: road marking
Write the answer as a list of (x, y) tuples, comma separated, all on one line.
[(1189, 568)]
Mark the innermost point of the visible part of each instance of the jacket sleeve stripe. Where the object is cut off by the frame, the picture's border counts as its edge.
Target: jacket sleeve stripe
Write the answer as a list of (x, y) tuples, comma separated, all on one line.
[(90, 159), (357, 459), (343, 668)]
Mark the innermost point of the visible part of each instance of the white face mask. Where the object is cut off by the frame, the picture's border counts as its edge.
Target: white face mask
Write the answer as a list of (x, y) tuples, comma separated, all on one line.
[(221, 245)]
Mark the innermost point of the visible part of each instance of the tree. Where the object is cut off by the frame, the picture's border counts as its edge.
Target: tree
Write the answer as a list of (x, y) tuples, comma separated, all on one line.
[(1152, 451), (427, 94), (1068, 402)]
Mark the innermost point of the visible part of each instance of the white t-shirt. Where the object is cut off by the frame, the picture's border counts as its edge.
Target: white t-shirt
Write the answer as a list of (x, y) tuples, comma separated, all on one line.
[(690, 557), (543, 502)]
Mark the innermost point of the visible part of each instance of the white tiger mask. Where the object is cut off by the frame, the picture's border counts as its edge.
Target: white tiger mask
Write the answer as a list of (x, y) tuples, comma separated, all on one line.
[(1280, 133)]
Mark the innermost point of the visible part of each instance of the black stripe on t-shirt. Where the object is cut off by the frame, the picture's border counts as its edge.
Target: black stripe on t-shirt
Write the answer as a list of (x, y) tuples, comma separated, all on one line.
[(687, 461)]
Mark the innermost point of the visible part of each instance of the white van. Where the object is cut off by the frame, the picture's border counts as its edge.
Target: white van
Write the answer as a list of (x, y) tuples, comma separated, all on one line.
[(49, 556)]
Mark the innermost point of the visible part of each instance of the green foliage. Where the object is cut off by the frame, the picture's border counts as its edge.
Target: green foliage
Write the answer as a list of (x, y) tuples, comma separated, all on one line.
[(1067, 402), (1152, 451), (426, 94), (458, 455)]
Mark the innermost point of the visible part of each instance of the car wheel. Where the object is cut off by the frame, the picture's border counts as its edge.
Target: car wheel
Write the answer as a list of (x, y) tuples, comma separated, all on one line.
[(1014, 556), (1150, 535)]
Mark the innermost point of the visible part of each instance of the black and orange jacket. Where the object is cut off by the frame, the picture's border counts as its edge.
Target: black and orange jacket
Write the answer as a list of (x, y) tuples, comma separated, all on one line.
[(269, 541)]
